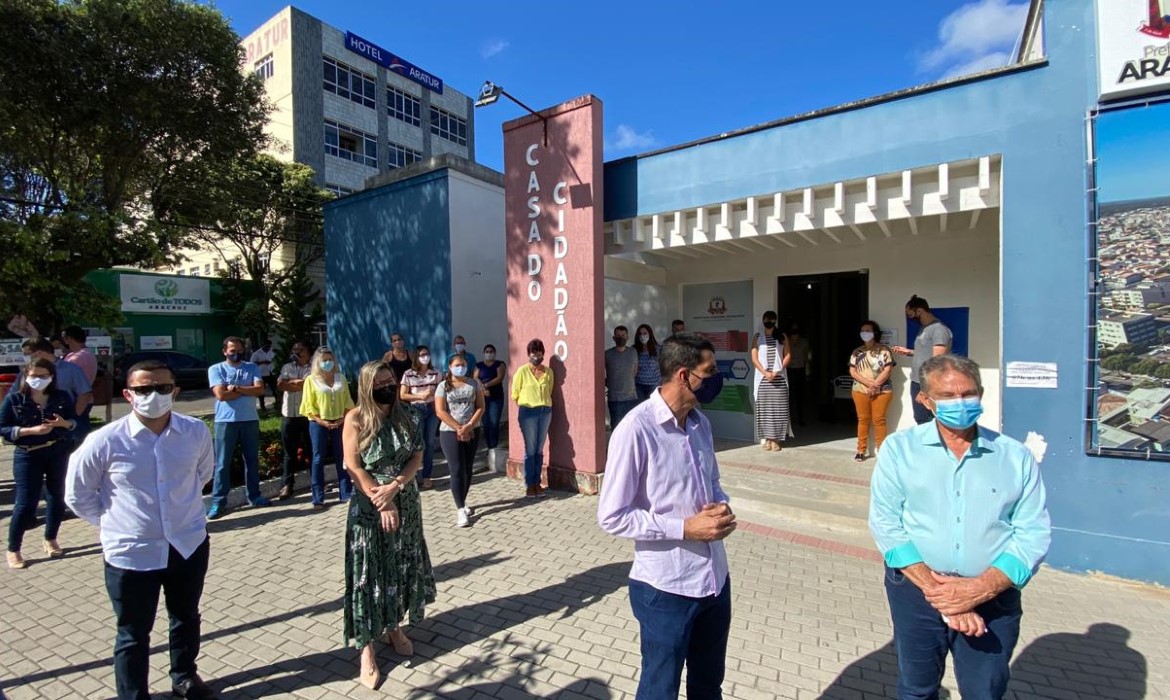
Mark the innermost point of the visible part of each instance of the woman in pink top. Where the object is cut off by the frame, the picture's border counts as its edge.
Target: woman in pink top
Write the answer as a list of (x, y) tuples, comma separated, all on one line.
[(418, 390)]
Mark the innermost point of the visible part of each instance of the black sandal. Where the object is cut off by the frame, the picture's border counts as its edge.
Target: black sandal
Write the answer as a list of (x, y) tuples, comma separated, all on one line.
[(858, 457)]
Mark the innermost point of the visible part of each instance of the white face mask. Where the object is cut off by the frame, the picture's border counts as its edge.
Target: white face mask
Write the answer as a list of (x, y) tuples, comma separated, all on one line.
[(489, 356), (153, 405), (644, 338), (866, 336), (459, 370), (424, 359), (39, 383)]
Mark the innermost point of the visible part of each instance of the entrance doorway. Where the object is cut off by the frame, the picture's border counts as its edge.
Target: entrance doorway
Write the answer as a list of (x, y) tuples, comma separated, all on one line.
[(829, 309)]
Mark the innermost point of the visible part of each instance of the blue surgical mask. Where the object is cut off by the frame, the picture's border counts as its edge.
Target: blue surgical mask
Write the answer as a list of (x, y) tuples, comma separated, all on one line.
[(709, 390), (459, 370), (233, 357), (959, 414), (327, 365)]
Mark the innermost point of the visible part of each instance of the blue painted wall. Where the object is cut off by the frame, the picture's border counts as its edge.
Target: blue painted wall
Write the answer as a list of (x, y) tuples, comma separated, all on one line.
[(388, 266), (1109, 514)]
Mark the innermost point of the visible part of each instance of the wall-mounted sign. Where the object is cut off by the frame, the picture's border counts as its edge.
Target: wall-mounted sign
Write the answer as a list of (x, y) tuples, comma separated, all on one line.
[(100, 345), (384, 58), (10, 353), (165, 295), (1133, 46), (156, 342)]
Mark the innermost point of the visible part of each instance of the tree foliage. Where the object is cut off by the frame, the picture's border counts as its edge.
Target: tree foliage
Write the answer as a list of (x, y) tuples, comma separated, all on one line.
[(297, 307), (112, 115)]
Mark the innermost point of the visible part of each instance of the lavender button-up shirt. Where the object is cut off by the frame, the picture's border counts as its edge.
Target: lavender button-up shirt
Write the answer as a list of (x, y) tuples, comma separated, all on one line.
[(658, 475)]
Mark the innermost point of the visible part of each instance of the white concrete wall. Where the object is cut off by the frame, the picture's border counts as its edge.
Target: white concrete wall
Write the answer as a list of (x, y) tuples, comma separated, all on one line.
[(275, 37), (478, 273), (631, 304), (951, 269)]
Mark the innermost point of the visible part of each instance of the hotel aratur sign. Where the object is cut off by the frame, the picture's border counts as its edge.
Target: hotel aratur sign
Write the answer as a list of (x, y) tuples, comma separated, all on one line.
[(384, 58)]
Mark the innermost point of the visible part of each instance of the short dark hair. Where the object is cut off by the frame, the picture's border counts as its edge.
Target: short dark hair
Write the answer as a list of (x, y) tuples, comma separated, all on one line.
[(535, 345), (489, 345), (28, 343), (677, 322), (149, 366), (39, 345), (75, 333), (683, 350), (916, 302), (234, 339), (620, 328), (877, 330)]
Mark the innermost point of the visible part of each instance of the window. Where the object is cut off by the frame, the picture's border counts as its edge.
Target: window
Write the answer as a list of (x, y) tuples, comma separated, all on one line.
[(404, 106), (265, 67), (349, 83), (207, 270), (215, 265), (338, 189), (351, 144), (194, 271), (448, 126), (400, 156)]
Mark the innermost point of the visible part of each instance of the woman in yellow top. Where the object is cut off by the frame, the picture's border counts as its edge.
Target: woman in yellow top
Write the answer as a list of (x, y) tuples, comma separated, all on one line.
[(532, 387), (325, 400)]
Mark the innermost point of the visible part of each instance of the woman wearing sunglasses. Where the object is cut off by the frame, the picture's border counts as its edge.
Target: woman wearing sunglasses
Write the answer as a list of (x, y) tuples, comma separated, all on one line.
[(37, 419)]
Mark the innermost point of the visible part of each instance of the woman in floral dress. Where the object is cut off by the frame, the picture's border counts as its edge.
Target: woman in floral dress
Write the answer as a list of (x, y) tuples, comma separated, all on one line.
[(388, 574)]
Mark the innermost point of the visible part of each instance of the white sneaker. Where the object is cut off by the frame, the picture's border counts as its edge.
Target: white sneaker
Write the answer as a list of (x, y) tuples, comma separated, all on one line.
[(470, 511), (462, 519)]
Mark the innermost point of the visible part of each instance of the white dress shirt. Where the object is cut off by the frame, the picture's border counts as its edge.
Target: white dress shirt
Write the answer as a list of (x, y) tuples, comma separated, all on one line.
[(144, 491)]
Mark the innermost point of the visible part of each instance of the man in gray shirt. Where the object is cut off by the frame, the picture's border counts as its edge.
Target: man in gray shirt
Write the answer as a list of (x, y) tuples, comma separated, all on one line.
[(933, 338), (621, 367)]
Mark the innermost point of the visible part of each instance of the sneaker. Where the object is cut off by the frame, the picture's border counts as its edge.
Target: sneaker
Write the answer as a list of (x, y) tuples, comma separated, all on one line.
[(539, 491), (461, 520), (530, 492), (859, 457), (286, 493), (470, 510), (261, 502), (215, 512)]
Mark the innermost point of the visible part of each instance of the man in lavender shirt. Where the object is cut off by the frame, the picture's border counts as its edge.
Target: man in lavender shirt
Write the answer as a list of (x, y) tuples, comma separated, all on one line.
[(661, 489)]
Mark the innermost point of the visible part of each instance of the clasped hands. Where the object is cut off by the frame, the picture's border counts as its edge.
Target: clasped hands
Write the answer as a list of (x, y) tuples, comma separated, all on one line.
[(956, 598), (382, 497)]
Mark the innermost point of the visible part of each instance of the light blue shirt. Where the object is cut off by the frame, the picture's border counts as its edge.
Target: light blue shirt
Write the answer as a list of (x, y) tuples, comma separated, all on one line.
[(959, 516), (241, 408), (144, 491)]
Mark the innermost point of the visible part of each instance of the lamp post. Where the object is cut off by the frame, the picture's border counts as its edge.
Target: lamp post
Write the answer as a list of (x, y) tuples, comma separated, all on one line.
[(490, 93)]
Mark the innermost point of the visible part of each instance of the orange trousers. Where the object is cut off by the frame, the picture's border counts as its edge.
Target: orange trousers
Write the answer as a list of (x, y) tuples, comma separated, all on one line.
[(871, 409)]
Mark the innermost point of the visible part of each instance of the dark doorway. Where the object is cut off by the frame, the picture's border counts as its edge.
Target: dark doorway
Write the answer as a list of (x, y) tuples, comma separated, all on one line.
[(829, 309)]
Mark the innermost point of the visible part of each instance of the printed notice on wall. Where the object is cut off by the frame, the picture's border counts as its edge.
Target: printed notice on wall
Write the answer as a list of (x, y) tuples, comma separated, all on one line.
[(1032, 375)]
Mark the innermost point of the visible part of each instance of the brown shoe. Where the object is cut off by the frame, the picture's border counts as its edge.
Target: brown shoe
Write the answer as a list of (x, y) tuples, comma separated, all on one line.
[(530, 492), (286, 493)]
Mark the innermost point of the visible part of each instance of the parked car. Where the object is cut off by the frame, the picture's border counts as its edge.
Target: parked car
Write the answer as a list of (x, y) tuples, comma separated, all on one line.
[(190, 372)]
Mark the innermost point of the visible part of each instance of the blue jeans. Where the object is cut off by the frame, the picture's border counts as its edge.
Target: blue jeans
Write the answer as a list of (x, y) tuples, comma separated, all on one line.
[(618, 411), (34, 472), (428, 422), (134, 595), (534, 422), (922, 641), (644, 391), (675, 630), (493, 408), (322, 438), (922, 414), (227, 436)]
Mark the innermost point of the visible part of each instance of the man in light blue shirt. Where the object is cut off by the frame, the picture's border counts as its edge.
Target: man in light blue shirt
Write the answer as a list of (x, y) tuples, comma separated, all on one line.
[(958, 512), (140, 480), (460, 349), (236, 384)]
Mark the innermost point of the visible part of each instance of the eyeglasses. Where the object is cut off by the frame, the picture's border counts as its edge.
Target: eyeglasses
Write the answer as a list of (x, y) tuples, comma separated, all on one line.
[(148, 389)]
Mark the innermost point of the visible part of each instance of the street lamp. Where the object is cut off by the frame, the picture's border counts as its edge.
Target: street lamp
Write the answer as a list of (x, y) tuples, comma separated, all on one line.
[(490, 93)]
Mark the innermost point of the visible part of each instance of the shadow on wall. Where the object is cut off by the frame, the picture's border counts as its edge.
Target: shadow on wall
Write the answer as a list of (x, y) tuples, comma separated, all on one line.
[(560, 440), (630, 304), (1090, 666), (388, 269)]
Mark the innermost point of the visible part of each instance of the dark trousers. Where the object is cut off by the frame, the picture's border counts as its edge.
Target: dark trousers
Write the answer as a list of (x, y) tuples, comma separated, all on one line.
[(923, 640), (135, 598), (677, 630), (618, 411), (493, 408), (922, 414), (35, 472), (644, 391), (294, 437), (460, 456), (797, 381)]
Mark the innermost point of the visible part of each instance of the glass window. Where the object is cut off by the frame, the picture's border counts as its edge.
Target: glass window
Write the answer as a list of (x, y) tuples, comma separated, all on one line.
[(448, 126), (265, 67), (401, 156), (349, 83), (403, 106), (351, 144), (194, 271)]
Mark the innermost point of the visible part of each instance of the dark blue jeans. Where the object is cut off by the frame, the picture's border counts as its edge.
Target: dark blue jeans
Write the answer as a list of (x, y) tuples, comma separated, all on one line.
[(34, 472), (227, 435), (675, 630), (922, 414), (618, 411), (493, 408), (923, 640), (644, 391), (322, 438), (134, 595), (428, 423), (534, 422), (294, 436)]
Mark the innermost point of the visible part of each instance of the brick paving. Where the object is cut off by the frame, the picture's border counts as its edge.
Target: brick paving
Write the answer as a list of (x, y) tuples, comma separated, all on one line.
[(532, 604)]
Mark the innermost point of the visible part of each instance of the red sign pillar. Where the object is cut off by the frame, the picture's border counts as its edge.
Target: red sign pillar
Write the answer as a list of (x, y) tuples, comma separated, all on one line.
[(555, 258)]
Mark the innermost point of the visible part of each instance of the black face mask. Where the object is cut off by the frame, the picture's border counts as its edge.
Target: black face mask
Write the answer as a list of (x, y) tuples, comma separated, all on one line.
[(620, 342), (769, 324), (386, 395)]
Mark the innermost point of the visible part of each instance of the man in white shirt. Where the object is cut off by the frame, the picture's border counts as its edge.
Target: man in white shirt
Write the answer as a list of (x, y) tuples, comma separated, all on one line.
[(140, 479), (263, 358)]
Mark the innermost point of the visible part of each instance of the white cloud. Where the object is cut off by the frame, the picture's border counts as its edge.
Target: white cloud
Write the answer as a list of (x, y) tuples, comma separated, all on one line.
[(493, 47), (627, 138), (977, 36)]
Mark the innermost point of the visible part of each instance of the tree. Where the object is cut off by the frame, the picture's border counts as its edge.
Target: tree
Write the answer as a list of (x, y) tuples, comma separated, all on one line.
[(110, 113), (1119, 363), (1145, 367), (262, 210), (297, 308)]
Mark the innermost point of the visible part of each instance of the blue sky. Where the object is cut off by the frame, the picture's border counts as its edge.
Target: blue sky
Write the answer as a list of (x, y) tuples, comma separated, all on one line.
[(1130, 161), (673, 72)]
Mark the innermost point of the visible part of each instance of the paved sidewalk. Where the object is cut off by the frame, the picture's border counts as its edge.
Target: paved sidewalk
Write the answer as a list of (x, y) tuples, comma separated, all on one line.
[(532, 604)]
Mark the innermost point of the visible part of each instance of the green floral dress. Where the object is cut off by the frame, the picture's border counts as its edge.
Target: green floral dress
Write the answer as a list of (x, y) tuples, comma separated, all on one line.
[(388, 575)]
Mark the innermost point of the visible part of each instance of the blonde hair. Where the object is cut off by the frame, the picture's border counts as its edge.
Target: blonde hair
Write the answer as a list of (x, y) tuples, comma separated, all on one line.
[(315, 363), (367, 417)]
